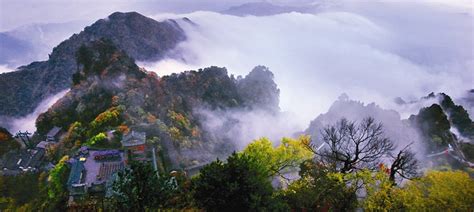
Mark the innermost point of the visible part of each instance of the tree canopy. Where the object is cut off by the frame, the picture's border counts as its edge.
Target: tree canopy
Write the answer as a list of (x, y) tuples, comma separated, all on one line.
[(290, 153), (140, 187), (437, 191), (319, 189), (240, 184)]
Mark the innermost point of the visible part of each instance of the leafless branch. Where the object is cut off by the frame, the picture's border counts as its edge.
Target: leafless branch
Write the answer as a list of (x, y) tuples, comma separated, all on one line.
[(404, 164), (352, 146)]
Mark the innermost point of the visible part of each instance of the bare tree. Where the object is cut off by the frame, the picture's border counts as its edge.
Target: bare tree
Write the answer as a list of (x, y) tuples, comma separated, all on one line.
[(404, 164), (352, 146)]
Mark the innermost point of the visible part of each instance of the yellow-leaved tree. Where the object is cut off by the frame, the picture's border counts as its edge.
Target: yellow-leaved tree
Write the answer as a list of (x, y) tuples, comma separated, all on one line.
[(437, 191), (290, 153)]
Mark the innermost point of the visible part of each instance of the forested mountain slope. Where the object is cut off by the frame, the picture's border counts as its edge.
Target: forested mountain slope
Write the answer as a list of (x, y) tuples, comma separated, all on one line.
[(140, 37)]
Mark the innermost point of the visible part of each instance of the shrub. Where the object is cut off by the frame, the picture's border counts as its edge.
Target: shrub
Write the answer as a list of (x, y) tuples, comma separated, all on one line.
[(109, 118), (98, 140)]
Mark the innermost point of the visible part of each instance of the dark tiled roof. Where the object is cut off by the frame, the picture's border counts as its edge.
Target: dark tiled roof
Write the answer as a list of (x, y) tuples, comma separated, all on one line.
[(108, 169), (53, 132), (11, 160), (36, 159), (134, 138), (43, 144), (77, 170), (32, 158), (25, 159)]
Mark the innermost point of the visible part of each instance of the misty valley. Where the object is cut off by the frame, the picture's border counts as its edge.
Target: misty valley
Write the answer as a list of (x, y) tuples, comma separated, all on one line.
[(237, 106)]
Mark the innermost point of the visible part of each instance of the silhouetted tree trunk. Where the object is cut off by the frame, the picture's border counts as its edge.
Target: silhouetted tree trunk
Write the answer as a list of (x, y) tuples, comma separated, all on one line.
[(351, 146), (404, 164)]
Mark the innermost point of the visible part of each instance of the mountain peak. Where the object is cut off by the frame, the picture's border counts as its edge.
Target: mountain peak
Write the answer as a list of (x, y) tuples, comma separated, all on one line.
[(140, 37), (119, 15)]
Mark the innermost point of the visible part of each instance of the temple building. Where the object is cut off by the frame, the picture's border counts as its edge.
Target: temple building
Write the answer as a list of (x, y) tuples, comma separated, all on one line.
[(26, 160), (92, 171), (134, 145)]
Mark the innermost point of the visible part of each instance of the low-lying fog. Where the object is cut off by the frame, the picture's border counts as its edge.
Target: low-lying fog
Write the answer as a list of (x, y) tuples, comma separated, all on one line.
[(374, 52)]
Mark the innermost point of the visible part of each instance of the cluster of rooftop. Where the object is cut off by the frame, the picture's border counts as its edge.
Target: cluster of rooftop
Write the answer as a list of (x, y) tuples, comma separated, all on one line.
[(93, 171), (31, 158)]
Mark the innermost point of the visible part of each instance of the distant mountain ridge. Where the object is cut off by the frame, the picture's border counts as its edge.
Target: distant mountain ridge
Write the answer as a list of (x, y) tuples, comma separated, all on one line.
[(433, 129), (140, 37), (262, 9), (355, 111), (267, 8)]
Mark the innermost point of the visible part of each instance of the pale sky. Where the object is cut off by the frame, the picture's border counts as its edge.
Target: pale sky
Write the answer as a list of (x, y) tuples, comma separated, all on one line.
[(15, 13)]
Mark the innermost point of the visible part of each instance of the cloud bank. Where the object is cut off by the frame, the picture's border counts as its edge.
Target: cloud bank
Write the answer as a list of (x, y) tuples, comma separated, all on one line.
[(373, 51), (365, 50), (5, 69), (243, 126), (27, 123), (34, 42)]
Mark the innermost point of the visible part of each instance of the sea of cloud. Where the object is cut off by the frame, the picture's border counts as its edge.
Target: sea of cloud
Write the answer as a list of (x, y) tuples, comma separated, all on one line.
[(374, 52), (27, 123)]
